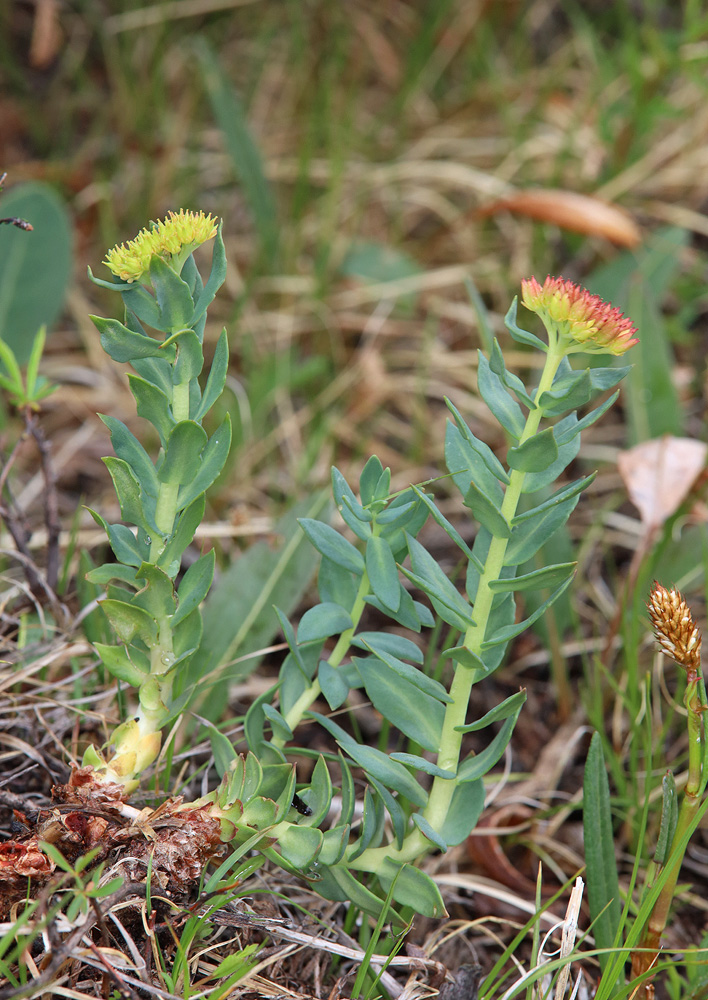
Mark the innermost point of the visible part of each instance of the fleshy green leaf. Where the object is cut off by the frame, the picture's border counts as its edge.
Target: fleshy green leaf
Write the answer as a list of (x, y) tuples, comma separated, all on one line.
[(504, 408), (421, 764), (404, 705), (124, 345), (182, 457), (417, 677), (129, 621), (547, 577), (373, 761), (117, 661), (322, 621), (445, 597), (486, 512), (130, 495), (510, 706), (300, 844), (463, 812), (528, 536), (217, 276), (214, 457), (534, 455), (187, 523), (565, 493), (333, 683), (519, 335), (568, 446), (511, 381), (413, 888), (382, 572), (507, 633), (152, 405), (474, 768), (334, 546), (194, 586), (128, 448), (369, 481), (428, 832), (173, 296), (216, 379), (568, 393)]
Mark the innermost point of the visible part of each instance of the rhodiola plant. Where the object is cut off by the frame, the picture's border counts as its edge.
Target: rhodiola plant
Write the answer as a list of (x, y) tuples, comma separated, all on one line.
[(429, 795)]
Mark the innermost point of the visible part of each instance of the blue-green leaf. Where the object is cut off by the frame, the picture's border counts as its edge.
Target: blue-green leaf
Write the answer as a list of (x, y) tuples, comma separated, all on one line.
[(546, 577), (428, 832), (528, 536), (421, 764), (153, 405), (128, 448), (214, 456), (504, 408), (217, 276), (382, 572), (116, 659), (129, 621), (404, 705), (334, 546), (124, 345), (322, 621), (511, 381), (182, 457), (564, 493), (535, 454), (510, 706), (463, 812), (216, 379), (369, 481), (506, 633), (477, 766), (486, 512), (519, 335), (173, 296), (334, 684), (194, 586)]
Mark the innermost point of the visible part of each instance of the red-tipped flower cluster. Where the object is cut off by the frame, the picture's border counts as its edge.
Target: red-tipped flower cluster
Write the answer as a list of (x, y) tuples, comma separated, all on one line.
[(583, 321)]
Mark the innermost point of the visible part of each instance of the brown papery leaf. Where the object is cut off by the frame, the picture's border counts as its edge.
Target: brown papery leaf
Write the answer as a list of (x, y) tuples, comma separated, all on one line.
[(659, 475), (580, 213)]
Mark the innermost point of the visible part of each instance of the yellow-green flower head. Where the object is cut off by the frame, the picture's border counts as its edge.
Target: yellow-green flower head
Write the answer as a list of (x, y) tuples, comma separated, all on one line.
[(582, 322), (173, 237)]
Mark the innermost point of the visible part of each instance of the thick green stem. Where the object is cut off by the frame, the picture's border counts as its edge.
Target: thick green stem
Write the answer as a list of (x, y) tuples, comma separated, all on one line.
[(166, 508), (461, 688)]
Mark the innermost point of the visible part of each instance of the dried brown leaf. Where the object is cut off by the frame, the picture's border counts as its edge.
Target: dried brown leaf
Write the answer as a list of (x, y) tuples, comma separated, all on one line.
[(659, 475), (580, 213)]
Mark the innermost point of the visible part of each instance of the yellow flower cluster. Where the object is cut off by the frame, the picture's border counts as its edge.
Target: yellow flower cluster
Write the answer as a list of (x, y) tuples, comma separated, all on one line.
[(180, 231), (581, 319)]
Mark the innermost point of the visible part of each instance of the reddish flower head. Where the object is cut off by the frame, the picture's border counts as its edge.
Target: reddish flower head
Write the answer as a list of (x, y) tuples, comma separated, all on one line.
[(583, 322)]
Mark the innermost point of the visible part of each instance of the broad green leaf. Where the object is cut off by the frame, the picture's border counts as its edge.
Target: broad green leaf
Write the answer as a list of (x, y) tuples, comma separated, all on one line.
[(213, 458), (217, 276), (124, 345), (528, 536), (333, 683), (413, 888), (428, 575), (280, 727), (334, 546), (173, 296), (216, 379), (389, 642), (547, 577), (486, 512), (503, 635), (489, 459), (600, 862), (417, 677), (188, 521), (138, 300), (534, 455), (428, 832), (103, 575), (299, 844), (383, 573), (190, 359), (447, 527), (117, 661), (504, 408), (404, 705), (35, 267), (568, 393), (587, 420), (411, 614), (127, 447), (511, 381), (194, 586), (157, 595), (132, 500), (335, 584), (153, 405), (519, 335), (319, 795), (378, 764), (568, 447), (564, 493), (322, 621), (463, 812), (129, 621), (182, 462), (369, 480)]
